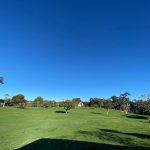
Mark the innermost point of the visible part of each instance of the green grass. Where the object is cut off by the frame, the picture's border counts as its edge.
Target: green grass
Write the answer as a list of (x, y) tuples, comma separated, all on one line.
[(85, 128)]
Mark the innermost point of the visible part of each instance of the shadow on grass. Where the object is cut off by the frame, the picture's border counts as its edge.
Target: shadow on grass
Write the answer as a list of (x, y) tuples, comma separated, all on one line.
[(136, 117), (60, 111), (115, 136), (96, 113), (108, 137), (63, 144), (139, 135)]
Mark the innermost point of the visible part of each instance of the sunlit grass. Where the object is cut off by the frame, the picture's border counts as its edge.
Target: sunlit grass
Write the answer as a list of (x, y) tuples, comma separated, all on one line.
[(19, 127)]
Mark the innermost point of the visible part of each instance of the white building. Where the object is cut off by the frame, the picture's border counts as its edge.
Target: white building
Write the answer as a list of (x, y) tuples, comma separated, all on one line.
[(80, 104)]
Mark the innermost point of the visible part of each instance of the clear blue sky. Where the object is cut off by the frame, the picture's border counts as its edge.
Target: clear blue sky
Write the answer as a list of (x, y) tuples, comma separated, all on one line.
[(82, 48)]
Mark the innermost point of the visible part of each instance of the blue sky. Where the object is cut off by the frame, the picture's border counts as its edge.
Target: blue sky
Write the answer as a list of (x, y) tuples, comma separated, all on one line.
[(65, 49)]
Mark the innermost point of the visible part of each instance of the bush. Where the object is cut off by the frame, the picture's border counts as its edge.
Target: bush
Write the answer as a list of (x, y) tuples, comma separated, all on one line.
[(68, 105)]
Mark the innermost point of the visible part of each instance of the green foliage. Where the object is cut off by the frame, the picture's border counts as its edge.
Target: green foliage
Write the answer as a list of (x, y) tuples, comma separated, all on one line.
[(18, 100), (140, 107), (123, 98), (86, 104), (67, 105), (38, 102), (96, 102), (116, 102), (147, 107), (122, 102), (108, 104), (75, 102), (22, 106), (47, 104), (61, 103)]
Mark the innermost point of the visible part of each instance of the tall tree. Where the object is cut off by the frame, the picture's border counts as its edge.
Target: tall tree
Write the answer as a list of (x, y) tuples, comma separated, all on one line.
[(38, 102), (124, 102), (108, 105), (1, 82), (5, 99), (19, 100), (115, 101), (96, 102), (67, 105)]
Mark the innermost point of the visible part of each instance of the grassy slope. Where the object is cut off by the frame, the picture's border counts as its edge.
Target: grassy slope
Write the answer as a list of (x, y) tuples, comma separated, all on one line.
[(19, 127)]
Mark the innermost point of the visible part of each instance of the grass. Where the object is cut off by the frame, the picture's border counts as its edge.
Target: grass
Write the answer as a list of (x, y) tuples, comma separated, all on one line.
[(85, 128)]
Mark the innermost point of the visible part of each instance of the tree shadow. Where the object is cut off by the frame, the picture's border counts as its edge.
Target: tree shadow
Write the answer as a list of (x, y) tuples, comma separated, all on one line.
[(96, 113), (115, 136), (108, 137), (60, 111), (137, 117), (139, 135), (64, 144)]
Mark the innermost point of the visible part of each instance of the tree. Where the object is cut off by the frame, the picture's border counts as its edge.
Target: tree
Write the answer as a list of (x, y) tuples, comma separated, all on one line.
[(86, 104), (19, 100), (124, 97), (38, 101), (1, 80), (124, 102), (67, 105), (75, 102), (108, 105), (147, 107), (5, 99), (96, 102), (61, 103), (140, 106), (50, 103), (115, 101)]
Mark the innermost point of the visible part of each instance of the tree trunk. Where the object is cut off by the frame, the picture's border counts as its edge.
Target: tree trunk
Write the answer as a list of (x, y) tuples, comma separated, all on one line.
[(107, 112), (4, 104), (126, 112)]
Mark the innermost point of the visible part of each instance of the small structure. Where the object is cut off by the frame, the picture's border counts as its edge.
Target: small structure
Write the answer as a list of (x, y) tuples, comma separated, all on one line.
[(80, 104)]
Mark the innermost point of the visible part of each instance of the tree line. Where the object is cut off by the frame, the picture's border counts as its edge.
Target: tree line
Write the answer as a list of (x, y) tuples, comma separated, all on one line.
[(121, 102), (20, 102)]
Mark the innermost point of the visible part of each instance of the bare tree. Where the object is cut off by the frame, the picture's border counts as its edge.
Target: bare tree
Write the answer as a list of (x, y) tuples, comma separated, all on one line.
[(5, 99)]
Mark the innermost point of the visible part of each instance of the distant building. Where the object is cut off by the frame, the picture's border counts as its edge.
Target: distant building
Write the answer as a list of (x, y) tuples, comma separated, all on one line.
[(80, 104)]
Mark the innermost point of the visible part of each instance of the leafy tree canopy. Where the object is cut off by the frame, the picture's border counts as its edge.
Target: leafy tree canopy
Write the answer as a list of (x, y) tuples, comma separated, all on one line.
[(18, 99), (1, 80)]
